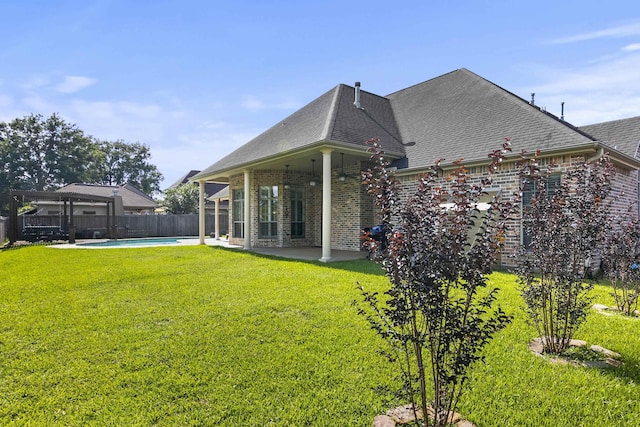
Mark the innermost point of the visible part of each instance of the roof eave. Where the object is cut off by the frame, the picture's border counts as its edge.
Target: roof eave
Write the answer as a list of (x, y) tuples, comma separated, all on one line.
[(222, 175), (595, 148)]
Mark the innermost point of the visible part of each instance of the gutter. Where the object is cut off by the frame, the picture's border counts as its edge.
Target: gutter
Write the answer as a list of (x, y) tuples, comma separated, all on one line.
[(597, 148)]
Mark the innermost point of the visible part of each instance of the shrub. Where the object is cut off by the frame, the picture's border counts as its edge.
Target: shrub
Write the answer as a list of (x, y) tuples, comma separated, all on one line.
[(565, 224), (438, 313), (620, 261)]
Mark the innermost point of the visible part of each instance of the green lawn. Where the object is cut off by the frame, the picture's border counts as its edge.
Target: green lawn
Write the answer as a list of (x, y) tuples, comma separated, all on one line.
[(182, 336)]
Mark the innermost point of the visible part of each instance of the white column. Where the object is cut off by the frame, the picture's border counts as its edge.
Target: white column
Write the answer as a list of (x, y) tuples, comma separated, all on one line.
[(201, 212), (247, 210), (217, 227), (326, 205)]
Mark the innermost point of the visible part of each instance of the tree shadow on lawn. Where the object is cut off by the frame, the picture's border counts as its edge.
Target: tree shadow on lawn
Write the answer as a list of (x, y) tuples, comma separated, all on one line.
[(355, 266), (628, 372)]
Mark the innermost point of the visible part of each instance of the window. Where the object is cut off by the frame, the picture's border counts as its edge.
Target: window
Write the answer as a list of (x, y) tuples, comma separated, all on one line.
[(238, 213), (88, 212), (268, 212), (530, 191), (297, 213)]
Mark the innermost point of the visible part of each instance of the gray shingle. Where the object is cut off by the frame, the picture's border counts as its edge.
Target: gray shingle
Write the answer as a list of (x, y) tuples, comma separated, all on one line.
[(131, 196), (457, 114), (463, 115), (622, 135)]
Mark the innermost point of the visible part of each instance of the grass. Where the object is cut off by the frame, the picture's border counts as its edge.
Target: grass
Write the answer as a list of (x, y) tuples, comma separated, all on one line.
[(191, 336)]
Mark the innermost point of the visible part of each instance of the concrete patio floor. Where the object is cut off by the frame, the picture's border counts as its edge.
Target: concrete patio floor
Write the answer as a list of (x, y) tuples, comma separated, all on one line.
[(307, 253)]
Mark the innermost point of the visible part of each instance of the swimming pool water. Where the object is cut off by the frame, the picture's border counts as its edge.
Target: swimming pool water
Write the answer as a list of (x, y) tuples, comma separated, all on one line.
[(135, 242)]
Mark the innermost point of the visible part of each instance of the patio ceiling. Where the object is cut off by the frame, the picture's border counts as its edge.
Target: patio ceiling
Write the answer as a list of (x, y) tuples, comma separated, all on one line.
[(301, 161)]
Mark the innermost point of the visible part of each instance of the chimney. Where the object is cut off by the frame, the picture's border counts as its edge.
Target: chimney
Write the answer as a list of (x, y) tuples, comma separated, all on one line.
[(357, 100)]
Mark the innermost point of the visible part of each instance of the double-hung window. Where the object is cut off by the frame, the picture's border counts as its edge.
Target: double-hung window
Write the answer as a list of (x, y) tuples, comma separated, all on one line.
[(268, 212), (531, 190), (297, 213), (238, 213)]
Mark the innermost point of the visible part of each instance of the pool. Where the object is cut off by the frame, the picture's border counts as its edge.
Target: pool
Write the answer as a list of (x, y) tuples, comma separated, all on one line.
[(130, 243)]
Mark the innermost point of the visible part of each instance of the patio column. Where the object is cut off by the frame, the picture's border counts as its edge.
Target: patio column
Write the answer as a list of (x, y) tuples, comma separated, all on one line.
[(326, 205), (247, 210), (217, 226), (201, 223)]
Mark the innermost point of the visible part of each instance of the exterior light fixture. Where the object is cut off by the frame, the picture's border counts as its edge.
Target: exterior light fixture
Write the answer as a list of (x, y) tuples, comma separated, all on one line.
[(313, 181), (287, 184), (342, 177)]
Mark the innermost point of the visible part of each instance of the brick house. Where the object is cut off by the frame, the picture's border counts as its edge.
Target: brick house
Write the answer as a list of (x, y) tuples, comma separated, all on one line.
[(298, 183)]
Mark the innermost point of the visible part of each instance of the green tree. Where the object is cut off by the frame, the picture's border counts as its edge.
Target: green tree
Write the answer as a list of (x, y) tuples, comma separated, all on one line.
[(41, 154), (119, 163), (46, 154), (182, 200)]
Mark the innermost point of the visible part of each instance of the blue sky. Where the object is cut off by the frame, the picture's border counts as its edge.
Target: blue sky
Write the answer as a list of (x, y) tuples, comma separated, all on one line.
[(195, 79)]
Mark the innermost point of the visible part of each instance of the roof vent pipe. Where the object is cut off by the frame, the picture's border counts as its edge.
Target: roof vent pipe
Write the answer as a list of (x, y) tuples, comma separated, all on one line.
[(562, 110), (357, 100)]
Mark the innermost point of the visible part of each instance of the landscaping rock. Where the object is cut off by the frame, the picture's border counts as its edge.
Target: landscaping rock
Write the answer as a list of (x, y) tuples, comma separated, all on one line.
[(613, 362), (535, 346), (606, 352), (404, 414), (383, 421)]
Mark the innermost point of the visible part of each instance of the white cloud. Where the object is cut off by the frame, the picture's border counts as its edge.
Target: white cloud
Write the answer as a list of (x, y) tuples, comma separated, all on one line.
[(625, 30), (254, 104), (72, 84), (595, 93), (197, 147), (34, 82), (5, 101), (38, 104), (631, 47)]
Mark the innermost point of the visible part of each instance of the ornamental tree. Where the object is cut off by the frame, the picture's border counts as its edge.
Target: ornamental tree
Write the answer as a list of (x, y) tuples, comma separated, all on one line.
[(566, 224), (620, 261), (439, 311)]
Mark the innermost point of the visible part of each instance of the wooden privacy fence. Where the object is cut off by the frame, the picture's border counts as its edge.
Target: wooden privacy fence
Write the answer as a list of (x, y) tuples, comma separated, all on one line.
[(89, 226), (3, 230)]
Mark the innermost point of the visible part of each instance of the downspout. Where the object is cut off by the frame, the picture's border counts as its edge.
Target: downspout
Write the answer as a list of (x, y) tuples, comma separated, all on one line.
[(247, 210), (596, 156)]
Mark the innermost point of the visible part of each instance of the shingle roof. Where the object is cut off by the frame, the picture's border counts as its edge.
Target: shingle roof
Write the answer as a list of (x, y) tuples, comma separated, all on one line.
[(184, 179), (457, 114), (463, 115), (330, 118), (623, 135), (131, 197)]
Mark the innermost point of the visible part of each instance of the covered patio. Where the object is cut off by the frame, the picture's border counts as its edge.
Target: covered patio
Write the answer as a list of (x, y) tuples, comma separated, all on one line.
[(307, 253)]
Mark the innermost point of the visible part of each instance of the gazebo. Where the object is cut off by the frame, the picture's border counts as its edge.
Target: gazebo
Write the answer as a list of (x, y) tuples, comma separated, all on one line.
[(65, 199)]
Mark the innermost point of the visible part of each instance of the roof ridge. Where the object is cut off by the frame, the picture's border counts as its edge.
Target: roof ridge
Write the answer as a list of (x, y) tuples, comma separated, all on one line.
[(612, 121), (428, 80), (331, 114), (527, 105)]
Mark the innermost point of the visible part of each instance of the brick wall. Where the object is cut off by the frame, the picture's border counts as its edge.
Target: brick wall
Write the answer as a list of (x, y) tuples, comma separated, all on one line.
[(352, 209)]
